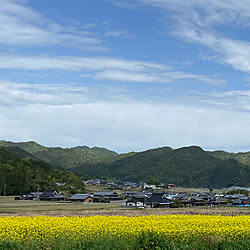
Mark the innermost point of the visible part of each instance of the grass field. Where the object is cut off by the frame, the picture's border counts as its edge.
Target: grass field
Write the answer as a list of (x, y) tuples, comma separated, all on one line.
[(10, 207)]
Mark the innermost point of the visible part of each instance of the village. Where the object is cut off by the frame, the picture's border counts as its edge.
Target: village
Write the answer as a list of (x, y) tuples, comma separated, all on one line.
[(136, 195)]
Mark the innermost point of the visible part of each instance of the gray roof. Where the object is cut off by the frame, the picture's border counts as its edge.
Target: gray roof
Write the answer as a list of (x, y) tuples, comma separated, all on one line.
[(36, 193), (57, 196), (48, 193), (79, 197), (238, 188), (144, 194), (139, 196), (104, 193)]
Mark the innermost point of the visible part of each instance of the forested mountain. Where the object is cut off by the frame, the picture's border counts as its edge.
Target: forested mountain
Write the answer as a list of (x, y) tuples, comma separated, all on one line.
[(188, 166), (243, 158), (20, 174), (66, 158)]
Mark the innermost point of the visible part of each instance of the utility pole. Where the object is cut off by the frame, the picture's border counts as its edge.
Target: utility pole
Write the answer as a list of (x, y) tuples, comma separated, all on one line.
[(4, 190)]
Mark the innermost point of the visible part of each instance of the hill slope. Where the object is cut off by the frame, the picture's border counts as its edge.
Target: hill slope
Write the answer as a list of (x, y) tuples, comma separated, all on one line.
[(21, 175), (189, 166), (243, 158), (66, 158)]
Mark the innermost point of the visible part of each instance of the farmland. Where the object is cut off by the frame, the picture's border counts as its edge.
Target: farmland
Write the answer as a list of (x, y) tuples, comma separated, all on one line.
[(10, 207), (150, 232), (54, 225)]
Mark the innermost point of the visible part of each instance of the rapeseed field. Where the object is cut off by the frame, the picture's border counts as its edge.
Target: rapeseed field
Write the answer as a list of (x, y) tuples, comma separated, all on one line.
[(173, 228)]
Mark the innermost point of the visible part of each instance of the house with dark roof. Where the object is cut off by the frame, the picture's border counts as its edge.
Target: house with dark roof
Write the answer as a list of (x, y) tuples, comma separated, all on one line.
[(159, 200), (51, 195), (85, 198), (106, 196), (137, 200)]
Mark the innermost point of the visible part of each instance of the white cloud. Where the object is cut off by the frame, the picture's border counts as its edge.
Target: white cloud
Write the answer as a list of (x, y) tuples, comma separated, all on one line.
[(198, 22), (89, 25), (21, 25), (230, 51), (69, 63), (101, 68), (119, 33), (156, 77), (71, 114), (125, 126)]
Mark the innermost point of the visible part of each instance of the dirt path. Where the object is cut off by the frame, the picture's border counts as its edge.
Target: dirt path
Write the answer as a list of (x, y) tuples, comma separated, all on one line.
[(229, 211)]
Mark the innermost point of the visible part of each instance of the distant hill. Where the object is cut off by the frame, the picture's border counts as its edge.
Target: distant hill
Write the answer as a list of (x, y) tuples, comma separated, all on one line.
[(66, 158), (30, 146), (243, 158), (189, 166), (21, 174)]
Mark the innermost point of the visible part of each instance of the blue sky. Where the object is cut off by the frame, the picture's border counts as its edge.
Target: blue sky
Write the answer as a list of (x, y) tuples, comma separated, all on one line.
[(126, 75)]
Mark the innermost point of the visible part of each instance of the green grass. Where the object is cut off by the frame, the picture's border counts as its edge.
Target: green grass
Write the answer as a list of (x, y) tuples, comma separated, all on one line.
[(144, 241), (11, 206)]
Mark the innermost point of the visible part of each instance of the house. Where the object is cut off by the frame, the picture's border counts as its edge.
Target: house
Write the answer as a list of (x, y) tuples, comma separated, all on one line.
[(94, 182), (171, 185), (137, 200), (180, 196), (159, 200), (131, 194), (204, 196), (51, 195), (186, 202), (236, 203), (106, 196), (146, 186), (130, 185), (246, 201), (197, 201), (85, 198), (58, 197), (217, 202), (36, 194)]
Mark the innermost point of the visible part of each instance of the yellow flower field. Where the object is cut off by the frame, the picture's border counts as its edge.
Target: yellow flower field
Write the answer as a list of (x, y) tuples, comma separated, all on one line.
[(177, 227)]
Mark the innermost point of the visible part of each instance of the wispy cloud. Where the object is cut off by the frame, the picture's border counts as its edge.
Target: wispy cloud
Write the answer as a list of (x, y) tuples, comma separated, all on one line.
[(101, 68), (156, 77), (21, 25), (198, 22), (125, 4), (69, 63), (229, 51), (89, 25), (119, 33), (63, 112)]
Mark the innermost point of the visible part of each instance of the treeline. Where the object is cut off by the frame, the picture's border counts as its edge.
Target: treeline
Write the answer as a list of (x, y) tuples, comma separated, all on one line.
[(187, 167), (21, 175)]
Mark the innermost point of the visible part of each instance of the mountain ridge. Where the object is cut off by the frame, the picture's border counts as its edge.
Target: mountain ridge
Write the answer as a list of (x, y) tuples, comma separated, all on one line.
[(21, 174), (186, 166)]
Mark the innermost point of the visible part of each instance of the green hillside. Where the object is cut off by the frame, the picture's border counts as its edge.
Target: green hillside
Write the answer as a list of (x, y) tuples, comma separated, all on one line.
[(21, 175), (189, 166), (243, 158), (30, 146), (66, 158)]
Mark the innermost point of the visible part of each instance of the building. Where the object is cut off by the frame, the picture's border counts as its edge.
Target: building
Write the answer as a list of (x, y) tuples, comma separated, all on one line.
[(159, 200), (51, 195), (106, 196), (85, 198)]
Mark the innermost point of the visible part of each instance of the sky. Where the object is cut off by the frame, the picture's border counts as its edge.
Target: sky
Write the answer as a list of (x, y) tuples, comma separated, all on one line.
[(127, 75)]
